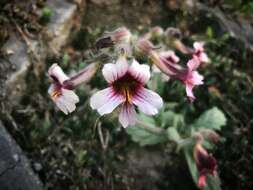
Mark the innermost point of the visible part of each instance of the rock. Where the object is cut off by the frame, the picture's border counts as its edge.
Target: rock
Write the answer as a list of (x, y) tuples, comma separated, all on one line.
[(15, 170), (237, 27), (21, 53), (61, 22)]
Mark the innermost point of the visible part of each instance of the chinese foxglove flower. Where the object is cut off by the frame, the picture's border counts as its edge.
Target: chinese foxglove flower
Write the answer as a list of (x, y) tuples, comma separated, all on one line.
[(192, 78), (61, 91), (168, 65), (126, 88), (206, 164), (63, 96)]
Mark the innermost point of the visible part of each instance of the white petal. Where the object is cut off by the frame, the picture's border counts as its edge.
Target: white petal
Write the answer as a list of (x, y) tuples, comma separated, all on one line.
[(121, 66), (198, 46), (105, 101), (197, 79), (140, 71), (68, 104), (61, 105), (148, 101), (127, 115), (110, 72), (204, 58), (70, 95), (57, 72)]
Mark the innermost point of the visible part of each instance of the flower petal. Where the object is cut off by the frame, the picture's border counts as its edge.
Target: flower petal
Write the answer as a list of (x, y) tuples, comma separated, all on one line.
[(70, 96), (148, 101), (198, 46), (193, 64), (189, 93), (140, 71), (61, 105), (112, 72), (127, 115), (105, 101), (197, 79), (57, 73)]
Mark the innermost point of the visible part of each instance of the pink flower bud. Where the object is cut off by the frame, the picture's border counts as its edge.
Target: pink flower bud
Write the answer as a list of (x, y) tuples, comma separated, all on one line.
[(144, 46), (206, 164)]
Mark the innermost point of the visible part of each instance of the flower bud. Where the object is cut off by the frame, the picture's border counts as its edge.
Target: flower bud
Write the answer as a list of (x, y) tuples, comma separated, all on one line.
[(206, 164), (144, 46)]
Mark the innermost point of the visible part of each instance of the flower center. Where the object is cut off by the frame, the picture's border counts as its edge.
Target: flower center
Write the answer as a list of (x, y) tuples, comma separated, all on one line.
[(56, 94), (127, 86)]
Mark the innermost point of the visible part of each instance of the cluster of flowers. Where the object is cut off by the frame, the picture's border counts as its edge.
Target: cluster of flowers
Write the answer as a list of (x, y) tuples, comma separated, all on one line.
[(126, 80)]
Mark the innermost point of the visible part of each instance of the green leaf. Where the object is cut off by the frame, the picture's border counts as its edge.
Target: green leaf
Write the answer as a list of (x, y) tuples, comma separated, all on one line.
[(173, 135), (212, 119), (143, 136), (170, 119), (209, 32)]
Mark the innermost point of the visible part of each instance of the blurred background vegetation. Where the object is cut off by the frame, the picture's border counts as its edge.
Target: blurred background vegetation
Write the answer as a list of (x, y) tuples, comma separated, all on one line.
[(66, 151)]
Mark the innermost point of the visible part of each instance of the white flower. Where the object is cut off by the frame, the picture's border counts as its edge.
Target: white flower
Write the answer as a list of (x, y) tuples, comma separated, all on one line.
[(126, 88), (64, 98)]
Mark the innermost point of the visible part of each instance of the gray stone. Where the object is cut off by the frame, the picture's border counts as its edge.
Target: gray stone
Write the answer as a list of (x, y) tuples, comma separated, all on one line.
[(15, 170), (61, 23)]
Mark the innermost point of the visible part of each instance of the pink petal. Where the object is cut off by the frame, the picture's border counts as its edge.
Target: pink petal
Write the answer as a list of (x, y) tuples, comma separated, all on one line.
[(148, 101), (202, 181), (56, 72), (170, 55), (189, 92), (197, 79), (105, 101), (193, 64), (127, 115), (140, 71)]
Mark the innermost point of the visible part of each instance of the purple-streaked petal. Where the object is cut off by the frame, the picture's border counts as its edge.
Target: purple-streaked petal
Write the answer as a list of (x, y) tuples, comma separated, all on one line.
[(83, 76), (148, 101), (57, 73), (140, 71), (127, 115), (170, 56), (105, 101)]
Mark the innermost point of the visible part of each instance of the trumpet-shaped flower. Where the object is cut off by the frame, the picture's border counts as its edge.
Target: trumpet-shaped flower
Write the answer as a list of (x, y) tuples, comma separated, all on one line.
[(167, 63), (64, 98), (126, 88), (192, 78), (206, 164)]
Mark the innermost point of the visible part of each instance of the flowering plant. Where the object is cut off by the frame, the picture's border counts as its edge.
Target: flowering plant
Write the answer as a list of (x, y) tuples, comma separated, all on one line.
[(129, 77)]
